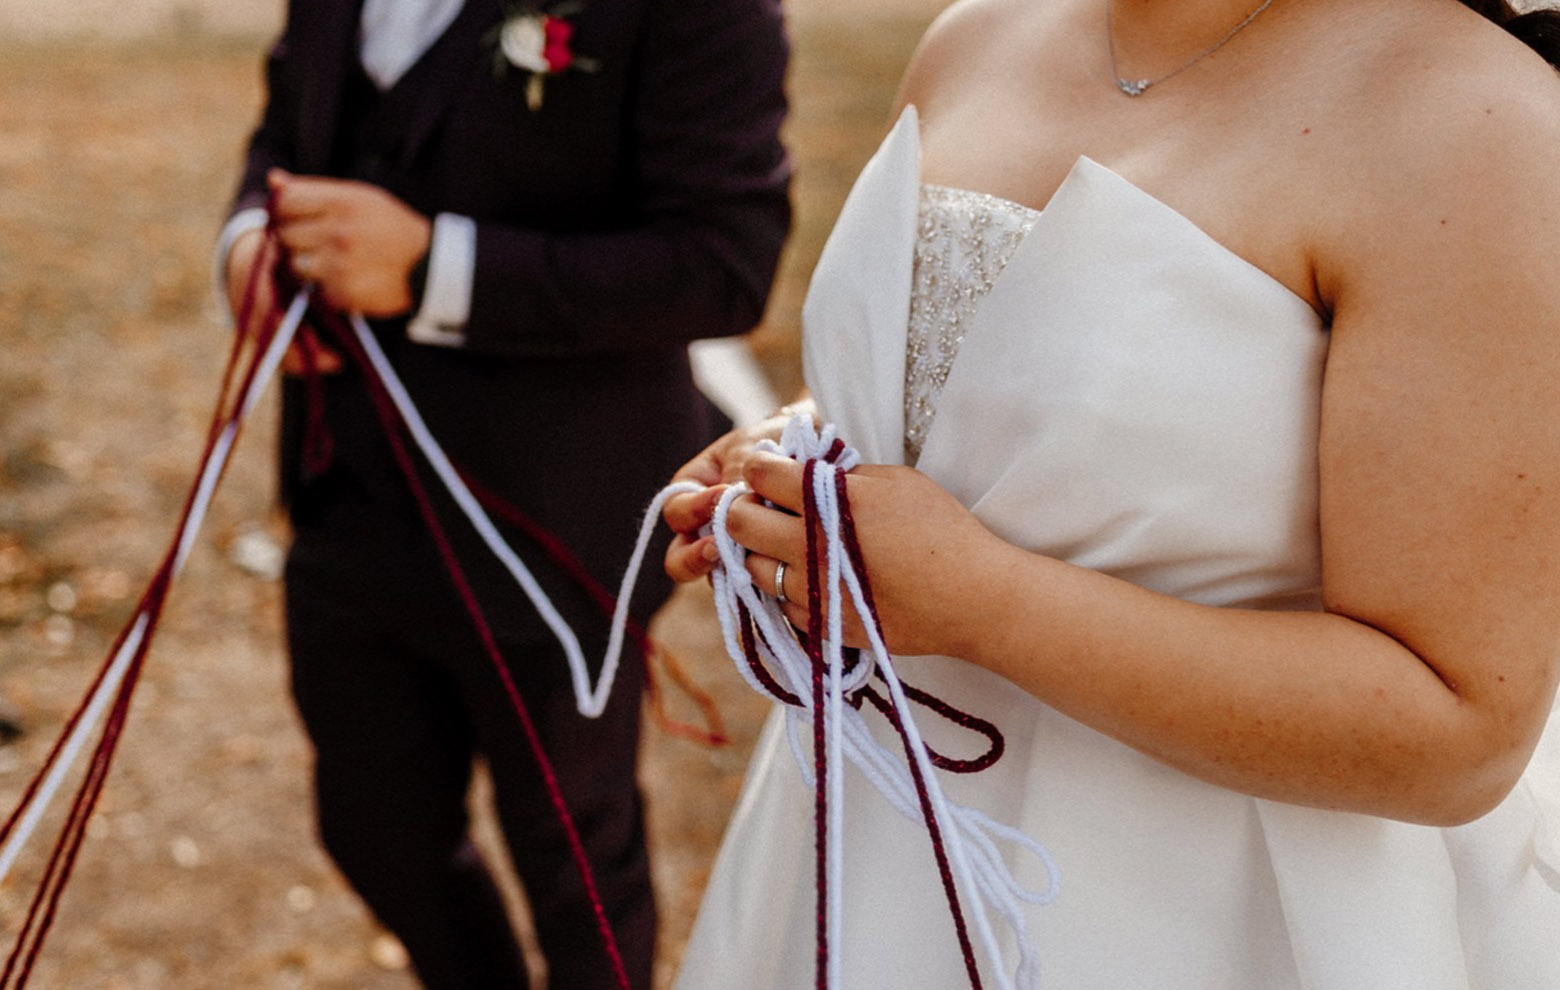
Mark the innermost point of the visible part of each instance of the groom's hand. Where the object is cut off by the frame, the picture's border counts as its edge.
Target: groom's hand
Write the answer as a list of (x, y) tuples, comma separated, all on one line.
[(356, 242), (305, 353)]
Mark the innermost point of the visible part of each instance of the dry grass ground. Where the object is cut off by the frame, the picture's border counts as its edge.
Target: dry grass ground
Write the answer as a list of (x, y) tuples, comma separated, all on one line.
[(200, 869)]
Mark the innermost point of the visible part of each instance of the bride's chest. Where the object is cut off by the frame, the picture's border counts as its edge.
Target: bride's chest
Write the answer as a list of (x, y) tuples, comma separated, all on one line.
[(1125, 388), (1252, 191)]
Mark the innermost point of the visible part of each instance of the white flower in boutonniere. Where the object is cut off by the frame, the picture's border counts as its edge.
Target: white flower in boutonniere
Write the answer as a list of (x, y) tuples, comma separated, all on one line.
[(540, 42)]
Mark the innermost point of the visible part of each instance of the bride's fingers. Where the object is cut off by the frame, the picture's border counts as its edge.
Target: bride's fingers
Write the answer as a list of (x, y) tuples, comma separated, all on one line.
[(780, 579), (687, 512), (777, 478), (766, 531), (770, 574), (689, 557), (796, 612)]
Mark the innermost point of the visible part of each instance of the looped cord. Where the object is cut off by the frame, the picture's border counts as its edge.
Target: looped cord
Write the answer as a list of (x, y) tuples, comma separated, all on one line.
[(788, 668), (590, 699)]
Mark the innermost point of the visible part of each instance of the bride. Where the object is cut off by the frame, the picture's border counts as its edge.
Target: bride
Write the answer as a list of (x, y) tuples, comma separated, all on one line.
[(1205, 360)]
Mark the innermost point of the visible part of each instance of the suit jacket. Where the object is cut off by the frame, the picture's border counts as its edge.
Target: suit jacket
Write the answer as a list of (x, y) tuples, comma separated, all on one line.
[(643, 205)]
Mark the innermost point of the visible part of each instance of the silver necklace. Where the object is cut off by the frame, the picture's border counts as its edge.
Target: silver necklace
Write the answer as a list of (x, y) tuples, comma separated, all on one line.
[(1135, 87)]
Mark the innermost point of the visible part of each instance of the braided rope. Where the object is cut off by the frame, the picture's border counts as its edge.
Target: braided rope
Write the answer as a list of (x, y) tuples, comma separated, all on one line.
[(757, 634), (248, 370)]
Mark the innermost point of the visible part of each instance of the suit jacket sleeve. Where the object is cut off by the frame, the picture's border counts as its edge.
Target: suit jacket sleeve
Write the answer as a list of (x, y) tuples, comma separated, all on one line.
[(705, 114), (273, 143)]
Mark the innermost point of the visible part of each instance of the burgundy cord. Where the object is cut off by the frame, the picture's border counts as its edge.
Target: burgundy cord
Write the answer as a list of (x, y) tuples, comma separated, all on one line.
[(388, 419), (812, 641), (939, 850), (43, 908), (814, 645)]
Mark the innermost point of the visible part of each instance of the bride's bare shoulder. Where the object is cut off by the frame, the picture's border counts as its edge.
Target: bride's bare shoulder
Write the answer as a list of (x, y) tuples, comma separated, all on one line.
[(960, 36), (1444, 154), (1442, 99), (1432, 72)]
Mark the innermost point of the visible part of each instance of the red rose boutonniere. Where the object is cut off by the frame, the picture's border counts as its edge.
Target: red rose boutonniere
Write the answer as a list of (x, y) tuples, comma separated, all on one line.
[(539, 42)]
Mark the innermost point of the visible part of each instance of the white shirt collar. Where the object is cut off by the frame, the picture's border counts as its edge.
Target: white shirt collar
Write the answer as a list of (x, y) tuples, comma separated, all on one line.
[(394, 34)]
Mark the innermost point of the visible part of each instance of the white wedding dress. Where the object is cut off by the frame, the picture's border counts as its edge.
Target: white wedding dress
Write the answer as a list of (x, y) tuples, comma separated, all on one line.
[(1128, 395)]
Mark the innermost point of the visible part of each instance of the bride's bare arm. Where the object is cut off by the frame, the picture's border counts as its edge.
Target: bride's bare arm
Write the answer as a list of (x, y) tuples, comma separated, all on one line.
[(1421, 690)]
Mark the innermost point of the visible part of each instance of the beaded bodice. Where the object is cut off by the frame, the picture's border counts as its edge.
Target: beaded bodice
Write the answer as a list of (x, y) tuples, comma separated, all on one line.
[(963, 241)]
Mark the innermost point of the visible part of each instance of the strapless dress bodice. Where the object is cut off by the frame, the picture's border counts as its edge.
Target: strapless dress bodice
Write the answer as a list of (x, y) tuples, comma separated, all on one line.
[(963, 241)]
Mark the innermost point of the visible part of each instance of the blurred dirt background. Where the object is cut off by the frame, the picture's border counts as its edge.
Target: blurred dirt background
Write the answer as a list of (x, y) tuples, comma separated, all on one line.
[(121, 123)]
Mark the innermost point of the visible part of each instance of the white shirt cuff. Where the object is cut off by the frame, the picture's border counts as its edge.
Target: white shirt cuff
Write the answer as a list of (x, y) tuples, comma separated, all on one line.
[(446, 303), (241, 223)]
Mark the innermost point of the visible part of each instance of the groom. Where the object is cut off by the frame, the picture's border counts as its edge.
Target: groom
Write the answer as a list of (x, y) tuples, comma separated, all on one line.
[(540, 205)]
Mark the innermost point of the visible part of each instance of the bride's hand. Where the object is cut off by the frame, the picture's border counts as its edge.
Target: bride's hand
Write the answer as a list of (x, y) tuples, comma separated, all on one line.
[(690, 556), (926, 555)]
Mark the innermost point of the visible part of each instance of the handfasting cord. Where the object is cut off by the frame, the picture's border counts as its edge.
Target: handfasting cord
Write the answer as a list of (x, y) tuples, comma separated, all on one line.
[(390, 400), (964, 841), (838, 729), (650, 649), (250, 365), (757, 635), (816, 666)]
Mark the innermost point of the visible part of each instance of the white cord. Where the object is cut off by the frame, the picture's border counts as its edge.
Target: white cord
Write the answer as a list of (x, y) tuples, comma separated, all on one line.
[(970, 838), (590, 700), (98, 701)]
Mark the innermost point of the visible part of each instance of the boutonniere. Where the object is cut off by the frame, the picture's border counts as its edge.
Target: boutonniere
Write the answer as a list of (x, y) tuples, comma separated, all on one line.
[(538, 41)]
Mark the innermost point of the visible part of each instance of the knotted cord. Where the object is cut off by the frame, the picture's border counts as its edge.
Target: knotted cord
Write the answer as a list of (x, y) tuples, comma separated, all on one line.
[(964, 841), (787, 668)]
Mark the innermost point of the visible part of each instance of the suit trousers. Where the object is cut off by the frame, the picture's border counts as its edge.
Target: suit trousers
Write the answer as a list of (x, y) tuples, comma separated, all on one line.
[(399, 698)]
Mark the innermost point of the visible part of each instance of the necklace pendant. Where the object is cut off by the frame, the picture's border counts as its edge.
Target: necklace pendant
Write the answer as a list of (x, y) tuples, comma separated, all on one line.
[(1136, 87)]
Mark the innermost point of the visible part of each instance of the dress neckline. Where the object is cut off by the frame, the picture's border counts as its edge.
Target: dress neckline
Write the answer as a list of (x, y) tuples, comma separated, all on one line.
[(1008, 204), (1084, 163)]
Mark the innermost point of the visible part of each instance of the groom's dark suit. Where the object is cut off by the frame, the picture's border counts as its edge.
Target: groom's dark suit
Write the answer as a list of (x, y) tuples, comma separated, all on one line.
[(641, 206)]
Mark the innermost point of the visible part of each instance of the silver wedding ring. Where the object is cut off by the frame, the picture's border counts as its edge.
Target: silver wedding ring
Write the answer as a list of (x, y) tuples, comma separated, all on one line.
[(780, 583)]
